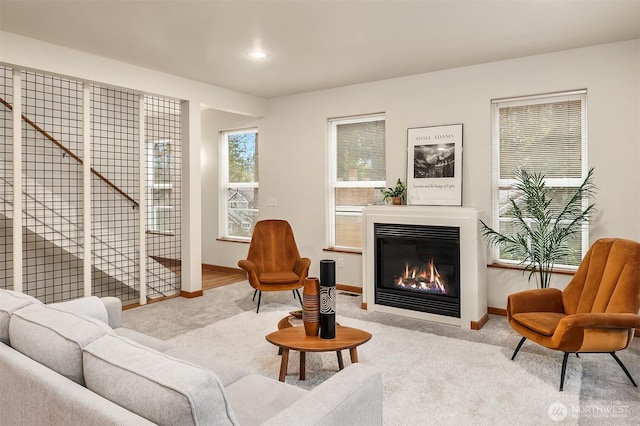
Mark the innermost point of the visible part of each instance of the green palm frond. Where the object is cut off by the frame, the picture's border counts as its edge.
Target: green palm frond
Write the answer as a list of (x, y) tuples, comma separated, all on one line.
[(542, 232)]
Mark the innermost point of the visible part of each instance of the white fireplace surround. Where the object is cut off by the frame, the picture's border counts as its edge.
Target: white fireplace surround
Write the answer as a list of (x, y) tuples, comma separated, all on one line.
[(473, 268)]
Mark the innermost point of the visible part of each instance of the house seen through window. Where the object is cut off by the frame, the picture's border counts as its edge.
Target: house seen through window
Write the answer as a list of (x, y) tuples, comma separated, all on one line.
[(159, 186), (239, 179)]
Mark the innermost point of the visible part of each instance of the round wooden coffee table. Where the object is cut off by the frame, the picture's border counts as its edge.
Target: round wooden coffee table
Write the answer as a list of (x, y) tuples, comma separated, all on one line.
[(295, 338)]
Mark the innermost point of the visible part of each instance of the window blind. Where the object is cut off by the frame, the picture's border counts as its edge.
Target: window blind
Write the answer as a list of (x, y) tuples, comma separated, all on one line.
[(357, 166), (544, 134), (360, 151)]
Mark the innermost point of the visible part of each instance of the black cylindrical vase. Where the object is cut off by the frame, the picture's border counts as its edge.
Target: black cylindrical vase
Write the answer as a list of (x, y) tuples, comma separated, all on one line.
[(327, 299)]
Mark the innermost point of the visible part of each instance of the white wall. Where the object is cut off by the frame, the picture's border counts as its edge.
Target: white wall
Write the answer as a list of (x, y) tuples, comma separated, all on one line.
[(293, 143), (37, 55)]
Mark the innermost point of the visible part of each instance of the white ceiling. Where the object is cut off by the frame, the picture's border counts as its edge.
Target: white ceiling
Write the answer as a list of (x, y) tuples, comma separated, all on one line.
[(318, 44)]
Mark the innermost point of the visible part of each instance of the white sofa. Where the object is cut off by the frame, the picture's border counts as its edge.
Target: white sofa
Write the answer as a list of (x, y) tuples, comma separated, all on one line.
[(72, 363)]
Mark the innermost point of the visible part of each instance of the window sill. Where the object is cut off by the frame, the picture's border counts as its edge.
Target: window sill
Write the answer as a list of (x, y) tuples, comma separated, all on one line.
[(343, 250), (561, 271), (233, 240)]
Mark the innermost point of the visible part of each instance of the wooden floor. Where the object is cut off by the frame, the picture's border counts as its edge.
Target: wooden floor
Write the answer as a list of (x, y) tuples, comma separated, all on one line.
[(217, 276), (212, 276)]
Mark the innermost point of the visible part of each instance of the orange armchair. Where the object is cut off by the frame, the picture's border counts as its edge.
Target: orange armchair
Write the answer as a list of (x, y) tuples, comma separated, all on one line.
[(273, 262), (596, 312)]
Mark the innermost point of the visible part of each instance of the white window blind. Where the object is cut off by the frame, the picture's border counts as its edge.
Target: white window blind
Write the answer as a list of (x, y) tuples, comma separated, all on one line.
[(357, 169), (542, 134)]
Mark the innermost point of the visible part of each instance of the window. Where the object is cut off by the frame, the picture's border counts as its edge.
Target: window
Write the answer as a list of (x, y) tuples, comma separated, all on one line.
[(159, 185), (543, 134), (357, 153), (239, 180)]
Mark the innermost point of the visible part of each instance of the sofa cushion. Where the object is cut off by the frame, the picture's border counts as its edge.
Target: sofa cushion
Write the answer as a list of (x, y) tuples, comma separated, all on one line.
[(54, 338), (226, 371), (544, 323), (11, 301), (257, 398), (144, 339), (174, 391)]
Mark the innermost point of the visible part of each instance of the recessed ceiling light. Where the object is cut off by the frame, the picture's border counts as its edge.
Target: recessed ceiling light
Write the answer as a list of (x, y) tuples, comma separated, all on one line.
[(257, 54)]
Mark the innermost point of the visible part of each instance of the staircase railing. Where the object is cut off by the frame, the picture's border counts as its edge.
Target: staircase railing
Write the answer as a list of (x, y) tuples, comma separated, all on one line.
[(59, 224), (156, 283), (68, 152)]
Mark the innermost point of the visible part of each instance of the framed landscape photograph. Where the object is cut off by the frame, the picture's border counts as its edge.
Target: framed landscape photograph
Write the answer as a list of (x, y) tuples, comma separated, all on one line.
[(434, 165)]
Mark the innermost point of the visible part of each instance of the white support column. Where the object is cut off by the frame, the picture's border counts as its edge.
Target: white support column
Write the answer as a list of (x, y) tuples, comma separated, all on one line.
[(86, 180), (191, 200), (17, 180), (142, 205)]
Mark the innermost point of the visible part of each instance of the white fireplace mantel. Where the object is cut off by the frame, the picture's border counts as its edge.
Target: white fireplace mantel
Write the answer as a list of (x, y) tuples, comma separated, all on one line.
[(473, 269)]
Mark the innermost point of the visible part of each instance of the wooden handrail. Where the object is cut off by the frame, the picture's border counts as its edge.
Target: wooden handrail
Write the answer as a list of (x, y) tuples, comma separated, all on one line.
[(68, 152)]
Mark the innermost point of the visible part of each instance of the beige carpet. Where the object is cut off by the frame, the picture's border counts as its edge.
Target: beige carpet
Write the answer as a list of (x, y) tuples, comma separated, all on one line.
[(605, 395), (427, 379)]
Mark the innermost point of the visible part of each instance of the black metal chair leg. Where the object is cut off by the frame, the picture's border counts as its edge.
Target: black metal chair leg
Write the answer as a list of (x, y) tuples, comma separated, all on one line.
[(613, 354), (564, 370), (254, 295), (259, 298), (299, 297), (518, 348)]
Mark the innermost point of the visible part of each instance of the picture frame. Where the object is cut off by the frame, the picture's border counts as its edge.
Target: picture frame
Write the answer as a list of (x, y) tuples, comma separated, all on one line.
[(434, 165)]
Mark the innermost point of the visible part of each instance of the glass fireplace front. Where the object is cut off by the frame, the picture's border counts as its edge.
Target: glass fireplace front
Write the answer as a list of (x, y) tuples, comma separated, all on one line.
[(418, 268)]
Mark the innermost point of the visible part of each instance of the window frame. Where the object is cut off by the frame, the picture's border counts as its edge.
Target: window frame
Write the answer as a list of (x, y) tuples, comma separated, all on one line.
[(334, 183), (224, 185), (498, 184), (152, 207)]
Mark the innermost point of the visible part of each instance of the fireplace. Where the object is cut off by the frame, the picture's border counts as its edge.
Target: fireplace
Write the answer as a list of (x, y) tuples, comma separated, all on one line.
[(417, 268), (431, 263)]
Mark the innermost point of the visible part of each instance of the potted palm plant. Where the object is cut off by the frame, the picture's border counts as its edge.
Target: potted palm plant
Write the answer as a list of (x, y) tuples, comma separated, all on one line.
[(542, 227), (396, 194)]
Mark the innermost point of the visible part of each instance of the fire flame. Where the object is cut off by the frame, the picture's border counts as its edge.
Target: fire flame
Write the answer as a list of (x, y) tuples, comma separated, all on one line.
[(422, 279)]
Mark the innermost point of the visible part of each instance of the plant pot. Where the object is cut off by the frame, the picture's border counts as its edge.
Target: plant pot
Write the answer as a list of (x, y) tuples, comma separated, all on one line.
[(396, 201)]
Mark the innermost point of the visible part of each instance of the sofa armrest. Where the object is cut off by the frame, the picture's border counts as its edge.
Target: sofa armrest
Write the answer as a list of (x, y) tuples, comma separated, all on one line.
[(105, 309), (91, 306), (601, 320), (32, 394), (302, 266), (250, 268), (353, 396), (114, 311), (538, 300)]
